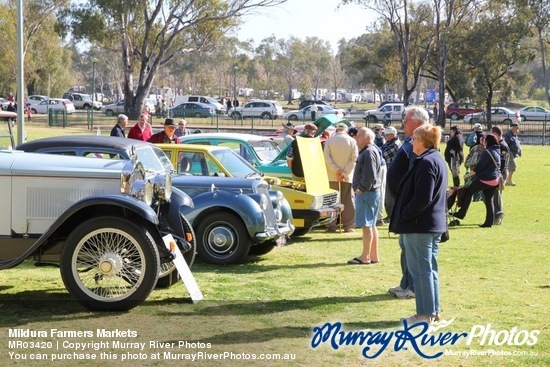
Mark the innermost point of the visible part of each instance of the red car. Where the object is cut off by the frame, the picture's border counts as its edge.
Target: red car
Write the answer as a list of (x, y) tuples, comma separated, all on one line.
[(457, 111)]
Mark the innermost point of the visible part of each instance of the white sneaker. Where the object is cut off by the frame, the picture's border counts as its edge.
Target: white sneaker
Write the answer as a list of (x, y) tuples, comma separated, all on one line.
[(394, 290), (406, 294)]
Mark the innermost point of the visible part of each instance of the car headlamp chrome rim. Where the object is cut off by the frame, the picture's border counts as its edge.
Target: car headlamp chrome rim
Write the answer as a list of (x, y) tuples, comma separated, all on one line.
[(280, 199), (163, 187), (264, 202), (144, 191)]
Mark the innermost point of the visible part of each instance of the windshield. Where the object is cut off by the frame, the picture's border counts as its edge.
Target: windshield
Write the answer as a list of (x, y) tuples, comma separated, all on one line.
[(212, 100), (266, 150), (154, 159), (235, 164)]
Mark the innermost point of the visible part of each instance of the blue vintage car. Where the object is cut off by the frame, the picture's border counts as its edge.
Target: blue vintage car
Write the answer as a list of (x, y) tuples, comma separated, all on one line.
[(231, 217)]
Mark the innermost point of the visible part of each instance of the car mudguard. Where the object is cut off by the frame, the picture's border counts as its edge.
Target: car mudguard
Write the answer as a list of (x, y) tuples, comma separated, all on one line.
[(123, 201), (243, 205)]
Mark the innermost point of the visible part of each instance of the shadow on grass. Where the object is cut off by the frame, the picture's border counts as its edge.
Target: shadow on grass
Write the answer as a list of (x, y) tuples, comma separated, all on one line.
[(208, 307), (254, 265)]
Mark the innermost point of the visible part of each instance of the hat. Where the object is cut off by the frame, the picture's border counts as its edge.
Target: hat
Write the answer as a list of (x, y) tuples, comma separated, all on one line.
[(310, 127), (477, 127), (288, 126), (341, 126), (390, 130), (514, 124), (169, 122), (378, 127)]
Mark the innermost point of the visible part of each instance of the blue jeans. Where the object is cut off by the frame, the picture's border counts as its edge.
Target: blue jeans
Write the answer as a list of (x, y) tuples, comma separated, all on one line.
[(406, 279), (421, 250)]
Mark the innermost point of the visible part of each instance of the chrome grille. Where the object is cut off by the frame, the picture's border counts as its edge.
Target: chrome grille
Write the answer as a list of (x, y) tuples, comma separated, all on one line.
[(260, 187), (330, 199)]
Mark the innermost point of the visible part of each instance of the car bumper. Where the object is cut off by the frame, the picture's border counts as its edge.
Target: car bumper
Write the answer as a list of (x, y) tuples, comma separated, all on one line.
[(316, 217), (283, 230)]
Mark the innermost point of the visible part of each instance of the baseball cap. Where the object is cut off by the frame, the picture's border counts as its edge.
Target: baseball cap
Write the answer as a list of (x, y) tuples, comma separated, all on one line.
[(514, 124), (341, 126), (390, 130), (477, 127), (378, 127)]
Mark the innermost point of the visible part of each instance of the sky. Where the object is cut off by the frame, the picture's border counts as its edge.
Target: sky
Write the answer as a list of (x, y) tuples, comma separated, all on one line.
[(308, 18)]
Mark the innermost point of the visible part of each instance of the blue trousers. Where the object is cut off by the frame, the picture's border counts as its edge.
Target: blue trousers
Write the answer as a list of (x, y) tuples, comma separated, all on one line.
[(422, 250)]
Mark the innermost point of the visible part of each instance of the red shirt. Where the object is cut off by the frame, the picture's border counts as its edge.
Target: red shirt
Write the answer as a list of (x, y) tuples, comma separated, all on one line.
[(136, 133), (161, 137)]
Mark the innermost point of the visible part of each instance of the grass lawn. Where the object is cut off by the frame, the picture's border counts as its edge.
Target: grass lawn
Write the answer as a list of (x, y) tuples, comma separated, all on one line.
[(493, 278)]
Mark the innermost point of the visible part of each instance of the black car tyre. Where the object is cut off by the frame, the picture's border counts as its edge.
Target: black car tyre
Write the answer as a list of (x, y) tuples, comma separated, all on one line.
[(235, 115), (33, 111), (168, 273), (266, 116), (523, 118), (109, 264), (109, 112), (198, 114), (455, 116), (507, 121), (86, 107), (222, 239), (293, 117)]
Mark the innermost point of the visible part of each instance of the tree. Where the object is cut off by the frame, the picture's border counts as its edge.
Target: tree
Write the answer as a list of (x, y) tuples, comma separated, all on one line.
[(491, 48), (540, 17), (291, 63), (150, 34), (411, 26)]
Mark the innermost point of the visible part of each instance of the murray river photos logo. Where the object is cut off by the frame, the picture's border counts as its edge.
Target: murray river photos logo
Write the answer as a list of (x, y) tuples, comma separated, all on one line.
[(419, 337)]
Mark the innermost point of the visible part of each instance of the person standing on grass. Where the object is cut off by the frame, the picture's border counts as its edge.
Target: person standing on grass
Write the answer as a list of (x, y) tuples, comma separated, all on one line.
[(454, 155), (141, 130), (366, 186), (118, 129), (420, 217), (340, 152), (512, 139), (498, 203), (414, 117)]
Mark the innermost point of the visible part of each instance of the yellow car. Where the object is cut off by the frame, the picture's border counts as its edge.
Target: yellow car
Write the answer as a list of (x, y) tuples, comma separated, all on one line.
[(313, 205)]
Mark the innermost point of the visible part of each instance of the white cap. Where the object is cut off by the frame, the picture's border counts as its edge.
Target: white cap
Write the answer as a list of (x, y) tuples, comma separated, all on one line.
[(390, 130), (477, 127)]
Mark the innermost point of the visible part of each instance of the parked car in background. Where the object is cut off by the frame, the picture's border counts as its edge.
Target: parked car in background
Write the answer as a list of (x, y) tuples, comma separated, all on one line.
[(114, 108), (260, 108), (387, 113), (212, 102), (36, 99), (456, 111), (229, 216), (305, 113), (53, 104), (534, 113), (101, 221), (498, 115), (307, 102), (192, 109), (83, 101), (205, 160)]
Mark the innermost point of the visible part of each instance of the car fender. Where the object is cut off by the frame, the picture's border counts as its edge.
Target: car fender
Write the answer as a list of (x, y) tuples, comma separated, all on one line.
[(220, 200), (71, 217)]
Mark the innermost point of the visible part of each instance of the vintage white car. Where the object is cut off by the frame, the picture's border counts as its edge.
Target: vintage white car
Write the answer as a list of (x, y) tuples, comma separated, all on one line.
[(101, 221)]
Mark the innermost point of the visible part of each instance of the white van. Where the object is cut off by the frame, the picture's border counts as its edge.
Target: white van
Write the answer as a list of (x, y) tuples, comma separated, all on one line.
[(220, 109), (388, 112)]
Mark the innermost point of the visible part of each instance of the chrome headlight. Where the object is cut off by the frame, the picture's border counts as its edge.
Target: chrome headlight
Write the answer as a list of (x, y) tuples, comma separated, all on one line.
[(264, 202), (132, 172), (163, 187), (278, 215), (144, 191), (280, 199)]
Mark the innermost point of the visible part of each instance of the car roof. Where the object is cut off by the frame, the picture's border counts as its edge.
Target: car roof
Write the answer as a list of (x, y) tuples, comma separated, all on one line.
[(209, 148), (201, 104), (81, 141), (225, 136)]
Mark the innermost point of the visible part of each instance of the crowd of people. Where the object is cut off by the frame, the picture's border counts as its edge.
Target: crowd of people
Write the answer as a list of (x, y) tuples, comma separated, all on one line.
[(376, 173)]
